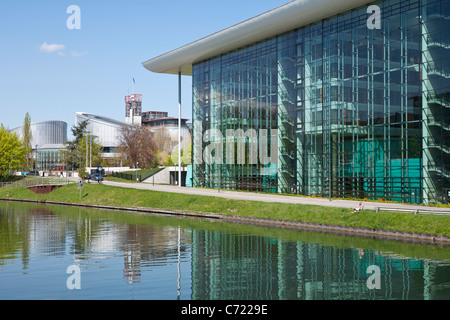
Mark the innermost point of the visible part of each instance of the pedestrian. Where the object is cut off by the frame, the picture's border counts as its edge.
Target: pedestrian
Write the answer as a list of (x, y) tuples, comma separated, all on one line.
[(359, 208)]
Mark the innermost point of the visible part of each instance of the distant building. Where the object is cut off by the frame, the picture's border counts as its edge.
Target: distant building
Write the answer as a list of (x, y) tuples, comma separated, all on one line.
[(45, 133), (47, 143), (350, 98), (171, 125), (155, 120), (133, 109), (152, 115), (107, 130)]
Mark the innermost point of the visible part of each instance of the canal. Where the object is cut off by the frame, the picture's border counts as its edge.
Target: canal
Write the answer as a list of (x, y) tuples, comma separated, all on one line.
[(66, 253)]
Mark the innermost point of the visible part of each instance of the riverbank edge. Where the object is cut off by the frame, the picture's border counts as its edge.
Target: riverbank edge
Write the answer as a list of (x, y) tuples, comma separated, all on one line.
[(365, 232)]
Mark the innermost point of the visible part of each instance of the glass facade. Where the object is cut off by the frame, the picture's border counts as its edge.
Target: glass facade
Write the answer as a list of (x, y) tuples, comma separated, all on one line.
[(50, 159), (335, 109)]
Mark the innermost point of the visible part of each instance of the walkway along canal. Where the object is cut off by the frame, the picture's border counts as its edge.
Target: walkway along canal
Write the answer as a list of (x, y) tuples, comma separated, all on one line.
[(363, 232)]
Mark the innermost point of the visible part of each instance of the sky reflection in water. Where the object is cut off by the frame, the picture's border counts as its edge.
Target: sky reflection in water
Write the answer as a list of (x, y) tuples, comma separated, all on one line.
[(129, 256)]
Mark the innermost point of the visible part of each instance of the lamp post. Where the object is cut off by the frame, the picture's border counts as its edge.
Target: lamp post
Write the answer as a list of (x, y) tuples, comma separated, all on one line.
[(90, 150), (179, 128), (87, 134), (137, 165), (154, 170), (36, 159)]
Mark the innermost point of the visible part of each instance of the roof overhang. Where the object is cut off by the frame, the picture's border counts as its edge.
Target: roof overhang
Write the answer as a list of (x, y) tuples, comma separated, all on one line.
[(287, 17), (101, 119)]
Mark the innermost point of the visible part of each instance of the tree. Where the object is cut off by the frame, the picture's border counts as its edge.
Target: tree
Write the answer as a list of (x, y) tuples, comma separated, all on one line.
[(186, 156), (186, 152), (164, 145), (27, 138), (163, 158), (167, 154), (12, 153), (163, 140), (73, 155), (138, 146), (96, 151), (79, 131)]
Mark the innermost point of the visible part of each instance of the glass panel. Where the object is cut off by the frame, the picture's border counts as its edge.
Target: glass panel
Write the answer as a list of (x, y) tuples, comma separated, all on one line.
[(357, 112)]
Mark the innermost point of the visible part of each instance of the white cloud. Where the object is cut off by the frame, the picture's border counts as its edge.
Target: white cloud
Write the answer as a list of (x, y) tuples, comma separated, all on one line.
[(60, 50), (50, 48), (78, 54)]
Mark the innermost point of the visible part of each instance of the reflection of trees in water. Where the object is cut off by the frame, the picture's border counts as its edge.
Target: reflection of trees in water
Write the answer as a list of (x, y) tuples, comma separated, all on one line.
[(14, 234), (229, 261), (55, 228)]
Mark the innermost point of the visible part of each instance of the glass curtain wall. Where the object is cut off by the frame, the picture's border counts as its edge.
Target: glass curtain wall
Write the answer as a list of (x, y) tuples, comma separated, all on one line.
[(436, 99), (362, 105), (235, 103), (49, 160), (349, 111)]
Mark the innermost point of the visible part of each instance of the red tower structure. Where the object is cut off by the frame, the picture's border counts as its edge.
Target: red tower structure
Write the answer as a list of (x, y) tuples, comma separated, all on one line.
[(133, 108)]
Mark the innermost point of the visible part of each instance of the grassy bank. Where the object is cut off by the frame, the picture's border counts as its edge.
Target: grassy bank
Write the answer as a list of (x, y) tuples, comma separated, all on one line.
[(99, 194)]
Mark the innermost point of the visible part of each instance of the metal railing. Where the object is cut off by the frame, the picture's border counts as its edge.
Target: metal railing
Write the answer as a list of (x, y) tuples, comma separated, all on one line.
[(27, 183), (415, 211), (127, 176)]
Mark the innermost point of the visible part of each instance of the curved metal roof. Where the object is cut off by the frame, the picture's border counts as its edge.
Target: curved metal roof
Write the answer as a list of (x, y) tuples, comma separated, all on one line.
[(102, 119), (41, 123), (287, 17)]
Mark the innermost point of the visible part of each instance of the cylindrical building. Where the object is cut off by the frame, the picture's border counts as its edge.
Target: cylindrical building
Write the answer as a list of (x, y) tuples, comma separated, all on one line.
[(46, 133), (47, 143)]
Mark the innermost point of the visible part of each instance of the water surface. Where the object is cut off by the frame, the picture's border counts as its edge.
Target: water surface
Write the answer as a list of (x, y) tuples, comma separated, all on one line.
[(128, 256)]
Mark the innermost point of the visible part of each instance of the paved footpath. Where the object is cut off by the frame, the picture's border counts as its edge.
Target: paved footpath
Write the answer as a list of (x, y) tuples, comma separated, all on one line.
[(251, 196)]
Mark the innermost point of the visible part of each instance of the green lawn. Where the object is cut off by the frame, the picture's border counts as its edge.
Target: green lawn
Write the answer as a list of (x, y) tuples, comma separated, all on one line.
[(143, 174), (99, 194)]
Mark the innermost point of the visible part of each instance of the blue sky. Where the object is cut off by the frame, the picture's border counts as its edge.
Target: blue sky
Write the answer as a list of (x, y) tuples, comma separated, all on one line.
[(53, 72)]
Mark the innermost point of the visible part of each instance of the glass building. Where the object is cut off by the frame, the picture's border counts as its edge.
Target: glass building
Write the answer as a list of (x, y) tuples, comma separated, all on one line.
[(45, 133), (50, 158), (48, 139), (351, 104)]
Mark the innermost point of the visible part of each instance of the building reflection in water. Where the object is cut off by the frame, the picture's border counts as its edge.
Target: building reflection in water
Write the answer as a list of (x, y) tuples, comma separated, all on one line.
[(220, 261), (258, 268)]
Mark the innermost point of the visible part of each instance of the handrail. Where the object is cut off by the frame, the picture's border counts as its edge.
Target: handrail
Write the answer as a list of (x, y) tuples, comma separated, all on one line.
[(416, 211), (35, 182)]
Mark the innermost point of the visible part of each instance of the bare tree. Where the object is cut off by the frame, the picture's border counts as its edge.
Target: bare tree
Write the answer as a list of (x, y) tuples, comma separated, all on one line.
[(138, 145), (163, 140)]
